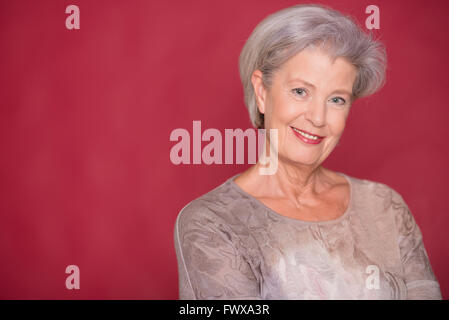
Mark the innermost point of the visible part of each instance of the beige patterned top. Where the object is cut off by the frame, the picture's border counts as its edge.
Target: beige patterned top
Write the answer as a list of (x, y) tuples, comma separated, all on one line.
[(229, 245)]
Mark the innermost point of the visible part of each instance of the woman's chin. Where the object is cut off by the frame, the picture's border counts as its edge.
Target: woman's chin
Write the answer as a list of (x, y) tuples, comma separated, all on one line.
[(303, 160)]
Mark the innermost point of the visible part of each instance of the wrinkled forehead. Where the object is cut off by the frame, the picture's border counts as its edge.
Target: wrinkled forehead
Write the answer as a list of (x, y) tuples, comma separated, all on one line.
[(316, 67)]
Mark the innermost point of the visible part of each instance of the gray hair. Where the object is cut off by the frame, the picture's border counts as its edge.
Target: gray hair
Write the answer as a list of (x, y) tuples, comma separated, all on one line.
[(285, 33)]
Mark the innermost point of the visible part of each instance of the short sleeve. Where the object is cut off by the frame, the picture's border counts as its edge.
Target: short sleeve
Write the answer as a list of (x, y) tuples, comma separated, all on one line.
[(210, 263), (420, 279)]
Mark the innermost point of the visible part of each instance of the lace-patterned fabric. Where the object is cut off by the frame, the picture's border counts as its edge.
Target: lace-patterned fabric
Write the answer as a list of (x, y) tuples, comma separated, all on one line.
[(229, 245)]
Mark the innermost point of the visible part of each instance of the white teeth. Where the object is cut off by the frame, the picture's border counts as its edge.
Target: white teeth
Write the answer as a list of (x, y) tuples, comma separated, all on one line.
[(306, 135)]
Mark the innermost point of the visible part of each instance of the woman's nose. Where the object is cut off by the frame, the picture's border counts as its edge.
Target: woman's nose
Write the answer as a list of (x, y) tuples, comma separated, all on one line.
[(316, 113)]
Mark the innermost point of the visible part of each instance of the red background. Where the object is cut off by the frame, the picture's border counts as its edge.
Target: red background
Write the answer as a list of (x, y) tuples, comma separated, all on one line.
[(86, 116)]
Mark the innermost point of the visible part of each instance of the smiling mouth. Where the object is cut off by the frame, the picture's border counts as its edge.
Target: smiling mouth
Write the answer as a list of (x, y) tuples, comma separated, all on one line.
[(307, 134)]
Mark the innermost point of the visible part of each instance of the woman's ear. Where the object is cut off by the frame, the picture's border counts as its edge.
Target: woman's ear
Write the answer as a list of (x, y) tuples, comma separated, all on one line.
[(259, 90)]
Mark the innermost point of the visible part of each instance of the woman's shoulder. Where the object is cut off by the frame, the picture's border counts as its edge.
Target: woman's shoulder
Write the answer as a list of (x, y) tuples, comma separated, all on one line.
[(369, 188), (214, 206), (376, 199)]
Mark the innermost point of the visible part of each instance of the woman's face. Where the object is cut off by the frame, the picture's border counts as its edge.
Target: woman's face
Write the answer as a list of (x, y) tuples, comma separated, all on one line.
[(310, 93)]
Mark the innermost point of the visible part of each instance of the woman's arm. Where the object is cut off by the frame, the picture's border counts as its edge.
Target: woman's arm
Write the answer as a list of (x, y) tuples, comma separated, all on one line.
[(210, 264), (419, 277)]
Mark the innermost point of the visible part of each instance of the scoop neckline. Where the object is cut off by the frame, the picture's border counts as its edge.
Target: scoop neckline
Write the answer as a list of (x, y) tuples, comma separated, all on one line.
[(294, 220)]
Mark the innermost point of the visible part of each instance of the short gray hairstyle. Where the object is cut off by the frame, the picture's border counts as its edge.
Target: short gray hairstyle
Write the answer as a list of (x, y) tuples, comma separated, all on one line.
[(285, 33)]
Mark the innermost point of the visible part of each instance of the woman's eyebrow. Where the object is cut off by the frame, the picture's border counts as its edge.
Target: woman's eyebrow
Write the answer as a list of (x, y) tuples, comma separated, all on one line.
[(303, 81), (342, 91)]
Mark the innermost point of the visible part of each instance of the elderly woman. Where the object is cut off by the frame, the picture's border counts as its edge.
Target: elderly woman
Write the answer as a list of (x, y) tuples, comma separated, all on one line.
[(304, 232)]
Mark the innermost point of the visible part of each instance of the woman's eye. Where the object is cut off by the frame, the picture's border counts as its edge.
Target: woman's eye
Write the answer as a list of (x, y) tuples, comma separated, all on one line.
[(299, 91), (338, 100)]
